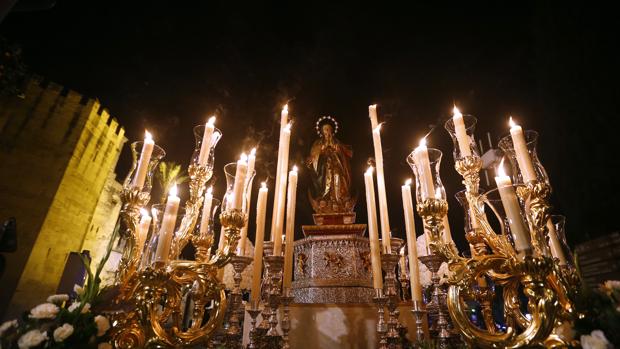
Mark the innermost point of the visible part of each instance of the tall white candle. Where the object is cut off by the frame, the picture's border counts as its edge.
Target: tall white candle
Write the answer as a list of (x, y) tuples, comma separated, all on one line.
[(373, 234), (143, 231), (261, 211), (372, 114), (521, 152), (447, 233), (206, 212), (277, 217), (205, 147), (554, 243), (461, 133), (143, 162), (513, 210), (290, 227), (383, 207), (424, 170), (414, 274), (239, 185), (166, 231)]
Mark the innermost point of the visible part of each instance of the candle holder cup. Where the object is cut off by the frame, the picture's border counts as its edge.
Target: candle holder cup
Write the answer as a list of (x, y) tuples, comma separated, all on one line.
[(151, 250), (230, 171), (198, 135), (470, 127), (203, 237), (156, 156), (531, 139), (422, 182)]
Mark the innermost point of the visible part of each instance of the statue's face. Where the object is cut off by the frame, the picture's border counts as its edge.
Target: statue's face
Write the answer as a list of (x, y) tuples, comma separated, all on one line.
[(327, 131)]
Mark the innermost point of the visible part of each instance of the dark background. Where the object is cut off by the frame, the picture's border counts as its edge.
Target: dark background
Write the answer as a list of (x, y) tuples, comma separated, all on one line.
[(168, 66)]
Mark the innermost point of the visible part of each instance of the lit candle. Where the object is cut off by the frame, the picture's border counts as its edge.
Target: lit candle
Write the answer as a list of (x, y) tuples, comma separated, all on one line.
[(521, 152), (373, 234), (383, 206), (283, 117), (247, 202), (424, 170), (556, 247), (143, 163), (414, 274), (277, 218), (290, 227), (166, 231), (461, 133), (261, 211), (372, 114), (238, 187), (205, 147), (206, 212), (513, 210), (143, 231)]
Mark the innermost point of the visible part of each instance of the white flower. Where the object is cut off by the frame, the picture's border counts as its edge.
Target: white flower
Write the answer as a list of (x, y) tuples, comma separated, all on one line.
[(76, 305), (57, 298), (103, 325), (613, 284), (79, 290), (595, 340), (63, 332), (8, 324), (104, 345), (44, 311), (31, 339)]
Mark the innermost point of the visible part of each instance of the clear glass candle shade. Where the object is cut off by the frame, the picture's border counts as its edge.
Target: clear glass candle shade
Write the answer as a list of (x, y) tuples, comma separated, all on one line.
[(198, 135), (210, 223), (157, 212), (559, 223), (156, 156), (424, 184), (531, 139), (230, 171), (470, 127), (461, 197), (498, 218)]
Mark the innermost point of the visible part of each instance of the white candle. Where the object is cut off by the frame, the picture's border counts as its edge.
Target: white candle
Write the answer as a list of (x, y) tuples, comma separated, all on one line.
[(206, 212), (424, 170), (261, 211), (290, 227), (373, 234), (447, 234), (166, 231), (461, 133), (143, 231), (513, 210), (143, 163), (554, 242), (238, 187), (205, 147), (521, 152), (414, 274), (383, 206), (372, 114), (277, 218), (247, 202)]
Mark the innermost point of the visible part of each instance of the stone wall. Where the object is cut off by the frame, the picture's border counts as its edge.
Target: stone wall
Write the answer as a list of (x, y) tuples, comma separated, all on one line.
[(57, 149)]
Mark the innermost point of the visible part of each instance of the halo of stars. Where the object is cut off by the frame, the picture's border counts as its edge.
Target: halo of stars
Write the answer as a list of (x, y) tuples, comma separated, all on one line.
[(321, 119)]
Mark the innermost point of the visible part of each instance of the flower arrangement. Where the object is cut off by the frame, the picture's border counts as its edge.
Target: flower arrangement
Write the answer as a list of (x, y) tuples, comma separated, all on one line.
[(598, 326), (62, 322)]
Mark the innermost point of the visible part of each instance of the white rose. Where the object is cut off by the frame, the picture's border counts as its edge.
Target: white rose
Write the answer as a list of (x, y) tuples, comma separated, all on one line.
[(63, 332), (79, 290), (57, 298), (103, 325), (104, 345), (44, 311), (31, 339), (596, 340), (76, 305), (8, 324)]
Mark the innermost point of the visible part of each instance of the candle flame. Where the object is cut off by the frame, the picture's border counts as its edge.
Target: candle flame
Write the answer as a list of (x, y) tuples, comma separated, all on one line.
[(211, 121), (263, 185), (422, 142), (373, 106), (288, 126), (511, 122), (210, 190), (408, 182), (456, 111), (144, 212), (243, 157), (173, 190), (500, 169), (253, 151), (402, 250), (438, 193), (294, 168), (285, 108), (147, 136), (369, 170)]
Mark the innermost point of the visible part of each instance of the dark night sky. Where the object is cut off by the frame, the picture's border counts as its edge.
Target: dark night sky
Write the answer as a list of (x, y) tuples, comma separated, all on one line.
[(168, 68)]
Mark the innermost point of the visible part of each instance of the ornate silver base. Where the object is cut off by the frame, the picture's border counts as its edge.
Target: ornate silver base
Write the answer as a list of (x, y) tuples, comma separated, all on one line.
[(381, 300), (438, 308), (420, 313)]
